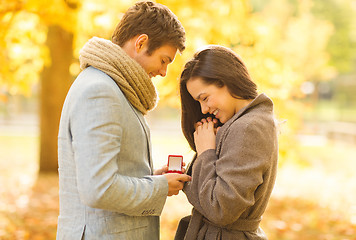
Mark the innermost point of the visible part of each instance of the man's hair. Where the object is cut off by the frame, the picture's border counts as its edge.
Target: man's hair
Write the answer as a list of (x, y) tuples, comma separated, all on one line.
[(153, 19)]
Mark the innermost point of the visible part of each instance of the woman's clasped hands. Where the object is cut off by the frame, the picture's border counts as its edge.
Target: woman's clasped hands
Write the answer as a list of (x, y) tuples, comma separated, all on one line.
[(205, 134)]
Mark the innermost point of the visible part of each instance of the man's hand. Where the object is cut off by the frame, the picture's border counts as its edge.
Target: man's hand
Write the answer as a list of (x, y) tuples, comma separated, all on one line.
[(161, 171), (164, 170), (176, 182)]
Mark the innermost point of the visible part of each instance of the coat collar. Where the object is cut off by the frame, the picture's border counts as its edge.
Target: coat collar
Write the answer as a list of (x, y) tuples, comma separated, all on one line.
[(262, 98)]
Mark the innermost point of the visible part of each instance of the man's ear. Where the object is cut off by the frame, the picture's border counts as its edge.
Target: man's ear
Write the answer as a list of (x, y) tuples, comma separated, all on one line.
[(141, 42)]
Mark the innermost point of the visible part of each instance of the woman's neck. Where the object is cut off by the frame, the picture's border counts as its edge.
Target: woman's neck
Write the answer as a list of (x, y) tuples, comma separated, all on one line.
[(241, 103)]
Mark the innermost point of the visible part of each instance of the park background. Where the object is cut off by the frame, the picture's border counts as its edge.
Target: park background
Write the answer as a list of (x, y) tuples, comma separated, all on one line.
[(302, 53)]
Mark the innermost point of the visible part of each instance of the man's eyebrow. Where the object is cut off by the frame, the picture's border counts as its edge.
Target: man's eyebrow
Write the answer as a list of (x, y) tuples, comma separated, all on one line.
[(169, 58)]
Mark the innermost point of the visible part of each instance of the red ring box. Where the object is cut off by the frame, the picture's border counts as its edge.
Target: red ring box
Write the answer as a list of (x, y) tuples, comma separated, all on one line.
[(175, 163)]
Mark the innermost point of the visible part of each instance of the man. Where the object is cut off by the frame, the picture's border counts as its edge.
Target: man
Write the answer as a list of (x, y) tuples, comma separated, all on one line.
[(106, 186)]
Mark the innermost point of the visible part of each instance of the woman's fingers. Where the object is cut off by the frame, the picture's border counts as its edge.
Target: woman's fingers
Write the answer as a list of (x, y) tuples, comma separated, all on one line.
[(211, 125), (206, 123), (205, 126), (197, 125)]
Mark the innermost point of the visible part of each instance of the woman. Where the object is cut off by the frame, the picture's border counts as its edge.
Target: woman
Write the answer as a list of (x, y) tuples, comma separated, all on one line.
[(234, 170)]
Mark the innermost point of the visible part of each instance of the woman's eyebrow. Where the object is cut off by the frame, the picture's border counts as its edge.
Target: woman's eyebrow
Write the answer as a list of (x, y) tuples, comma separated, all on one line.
[(199, 96)]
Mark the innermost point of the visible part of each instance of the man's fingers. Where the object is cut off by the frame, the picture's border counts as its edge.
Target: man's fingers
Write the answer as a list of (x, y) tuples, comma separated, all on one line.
[(184, 178), (173, 193)]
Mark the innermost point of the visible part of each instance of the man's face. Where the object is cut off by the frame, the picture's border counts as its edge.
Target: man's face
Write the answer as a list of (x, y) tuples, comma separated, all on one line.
[(156, 63)]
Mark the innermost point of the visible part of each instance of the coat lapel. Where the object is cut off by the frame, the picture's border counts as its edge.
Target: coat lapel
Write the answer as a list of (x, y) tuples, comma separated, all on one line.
[(147, 133)]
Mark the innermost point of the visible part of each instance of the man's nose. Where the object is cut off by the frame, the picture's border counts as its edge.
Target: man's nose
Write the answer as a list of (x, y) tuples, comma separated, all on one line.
[(163, 71)]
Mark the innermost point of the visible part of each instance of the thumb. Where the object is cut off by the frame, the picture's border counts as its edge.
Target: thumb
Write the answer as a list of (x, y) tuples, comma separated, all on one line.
[(184, 178), (216, 130)]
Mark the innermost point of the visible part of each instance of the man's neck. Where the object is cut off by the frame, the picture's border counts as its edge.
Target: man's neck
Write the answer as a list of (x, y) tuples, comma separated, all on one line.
[(129, 48)]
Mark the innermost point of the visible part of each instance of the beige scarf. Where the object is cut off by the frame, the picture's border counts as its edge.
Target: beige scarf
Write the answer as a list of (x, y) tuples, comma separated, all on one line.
[(126, 72)]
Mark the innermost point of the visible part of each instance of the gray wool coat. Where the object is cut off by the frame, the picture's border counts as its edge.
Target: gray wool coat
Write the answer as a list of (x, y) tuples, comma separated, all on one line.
[(231, 185)]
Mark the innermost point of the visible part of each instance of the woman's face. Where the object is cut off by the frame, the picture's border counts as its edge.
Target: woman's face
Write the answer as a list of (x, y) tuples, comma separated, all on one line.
[(213, 99)]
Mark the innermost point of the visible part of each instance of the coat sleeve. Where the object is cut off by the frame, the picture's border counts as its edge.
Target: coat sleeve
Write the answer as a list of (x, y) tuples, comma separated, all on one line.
[(224, 186), (96, 134)]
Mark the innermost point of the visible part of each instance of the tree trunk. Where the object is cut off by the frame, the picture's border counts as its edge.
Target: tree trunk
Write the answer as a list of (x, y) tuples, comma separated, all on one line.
[(55, 82)]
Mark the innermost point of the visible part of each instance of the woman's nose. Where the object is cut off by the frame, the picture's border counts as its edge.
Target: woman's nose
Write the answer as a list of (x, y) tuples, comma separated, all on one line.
[(204, 108)]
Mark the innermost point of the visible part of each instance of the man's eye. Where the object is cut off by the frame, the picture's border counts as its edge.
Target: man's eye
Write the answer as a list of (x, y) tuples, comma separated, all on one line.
[(163, 62)]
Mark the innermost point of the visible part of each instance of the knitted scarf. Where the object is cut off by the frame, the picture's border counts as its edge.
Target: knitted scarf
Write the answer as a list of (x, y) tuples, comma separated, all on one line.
[(126, 72)]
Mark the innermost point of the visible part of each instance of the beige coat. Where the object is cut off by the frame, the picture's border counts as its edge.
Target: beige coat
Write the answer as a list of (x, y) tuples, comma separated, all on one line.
[(231, 185)]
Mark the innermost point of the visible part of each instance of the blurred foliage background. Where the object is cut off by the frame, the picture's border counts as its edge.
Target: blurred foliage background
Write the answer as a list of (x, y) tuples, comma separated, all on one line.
[(302, 53)]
